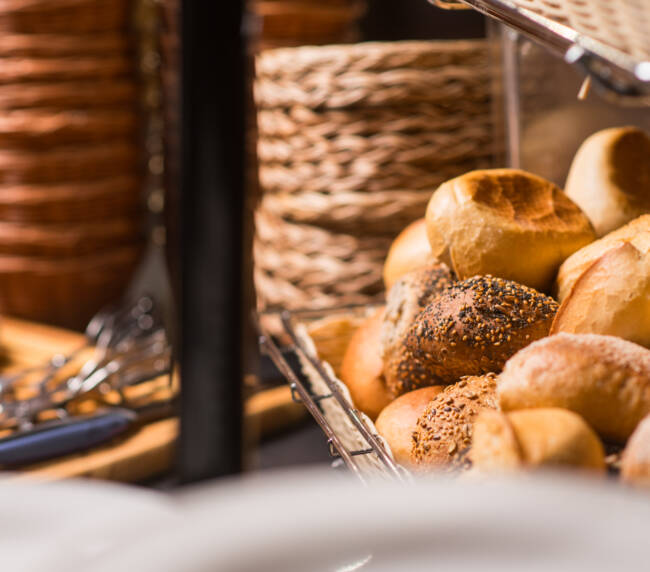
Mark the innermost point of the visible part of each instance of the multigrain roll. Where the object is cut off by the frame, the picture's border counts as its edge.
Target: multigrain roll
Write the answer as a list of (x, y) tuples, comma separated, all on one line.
[(471, 328), (635, 461), (604, 379), (398, 419), (507, 223), (362, 367), (636, 232), (409, 251), (406, 299), (532, 438), (443, 433), (609, 178), (611, 297)]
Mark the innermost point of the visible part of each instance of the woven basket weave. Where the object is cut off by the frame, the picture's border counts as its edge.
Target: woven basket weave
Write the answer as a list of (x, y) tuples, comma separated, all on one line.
[(352, 141), (623, 24)]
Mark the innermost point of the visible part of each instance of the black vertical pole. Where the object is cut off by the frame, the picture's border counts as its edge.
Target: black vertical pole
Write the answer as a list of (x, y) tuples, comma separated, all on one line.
[(212, 202)]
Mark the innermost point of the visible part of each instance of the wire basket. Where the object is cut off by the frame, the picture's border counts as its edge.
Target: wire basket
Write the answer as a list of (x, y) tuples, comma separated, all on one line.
[(352, 142)]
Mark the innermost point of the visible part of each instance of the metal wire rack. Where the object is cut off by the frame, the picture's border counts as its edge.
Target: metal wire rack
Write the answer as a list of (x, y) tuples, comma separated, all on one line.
[(370, 448), (621, 74)]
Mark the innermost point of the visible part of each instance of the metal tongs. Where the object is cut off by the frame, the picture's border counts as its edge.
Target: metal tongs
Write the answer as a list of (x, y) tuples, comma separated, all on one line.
[(143, 359)]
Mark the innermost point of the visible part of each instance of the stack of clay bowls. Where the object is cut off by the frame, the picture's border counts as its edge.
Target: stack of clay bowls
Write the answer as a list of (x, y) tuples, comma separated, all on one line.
[(70, 203)]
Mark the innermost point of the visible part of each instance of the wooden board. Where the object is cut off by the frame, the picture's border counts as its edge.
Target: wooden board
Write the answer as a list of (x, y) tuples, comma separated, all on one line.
[(147, 452)]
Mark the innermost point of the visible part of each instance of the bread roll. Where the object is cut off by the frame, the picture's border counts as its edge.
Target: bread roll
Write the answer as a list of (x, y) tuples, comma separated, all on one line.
[(534, 438), (409, 251), (611, 297), (609, 178), (362, 367), (471, 328), (397, 421), (635, 462), (406, 299), (443, 433), (637, 232), (604, 379), (507, 223)]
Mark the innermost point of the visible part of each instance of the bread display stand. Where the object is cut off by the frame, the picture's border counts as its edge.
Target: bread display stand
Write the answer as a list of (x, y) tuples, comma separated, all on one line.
[(319, 339)]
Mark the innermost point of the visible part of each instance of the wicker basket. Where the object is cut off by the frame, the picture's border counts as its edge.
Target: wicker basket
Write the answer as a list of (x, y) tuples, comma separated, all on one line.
[(352, 141), (285, 23), (71, 224), (64, 291)]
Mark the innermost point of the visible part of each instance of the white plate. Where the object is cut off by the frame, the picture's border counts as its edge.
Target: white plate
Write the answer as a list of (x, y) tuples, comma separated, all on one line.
[(67, 525), (323, 521)]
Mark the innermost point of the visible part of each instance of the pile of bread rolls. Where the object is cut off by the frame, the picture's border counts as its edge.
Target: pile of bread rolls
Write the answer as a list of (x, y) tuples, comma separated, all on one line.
[(516, 327)]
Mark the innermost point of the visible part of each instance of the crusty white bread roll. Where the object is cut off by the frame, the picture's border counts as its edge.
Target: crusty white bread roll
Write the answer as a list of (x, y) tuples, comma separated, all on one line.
[(443, 433), (409, 251), (362, 367), (471, 328), (637, 232), (532, 438), (604, 379), (609, 178), (635, 461), (397, 420), (507, 223), (611, 297)]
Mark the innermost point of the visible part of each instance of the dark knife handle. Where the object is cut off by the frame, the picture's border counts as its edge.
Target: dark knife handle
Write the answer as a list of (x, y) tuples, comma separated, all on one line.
[(62, 437)]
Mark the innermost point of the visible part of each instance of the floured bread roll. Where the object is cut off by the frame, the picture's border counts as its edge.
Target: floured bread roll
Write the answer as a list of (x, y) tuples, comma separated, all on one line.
[(532, 438), (507, 223), (610, 177), (443, 433), (636, 232), (611, 297), (410, 250), (604, 379)]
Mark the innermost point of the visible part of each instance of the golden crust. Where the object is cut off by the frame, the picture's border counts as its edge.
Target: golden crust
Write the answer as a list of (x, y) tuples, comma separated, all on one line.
[(604, 379), (531, 438), (635, 461), (610, 177), (636, 232), (507, 223), (611, 297), (409, 251), (362, 367), (398, 419)]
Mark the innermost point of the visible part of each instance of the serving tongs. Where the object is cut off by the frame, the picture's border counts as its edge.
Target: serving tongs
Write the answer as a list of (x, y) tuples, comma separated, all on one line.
[(106, 329), (130, 363)]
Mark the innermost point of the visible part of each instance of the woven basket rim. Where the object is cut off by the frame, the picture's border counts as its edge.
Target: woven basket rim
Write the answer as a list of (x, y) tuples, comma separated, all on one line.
[(366, 55)]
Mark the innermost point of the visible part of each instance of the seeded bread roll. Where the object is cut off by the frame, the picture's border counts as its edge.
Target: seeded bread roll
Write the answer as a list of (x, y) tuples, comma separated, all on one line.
[(532, 438), (362, 367), (611, 297), (635, 462), (507, 223), (610, 177), (397, 421), (604, 379), (409, 251), (443, 433), (636, 232), (406, 299), (471, 328)]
